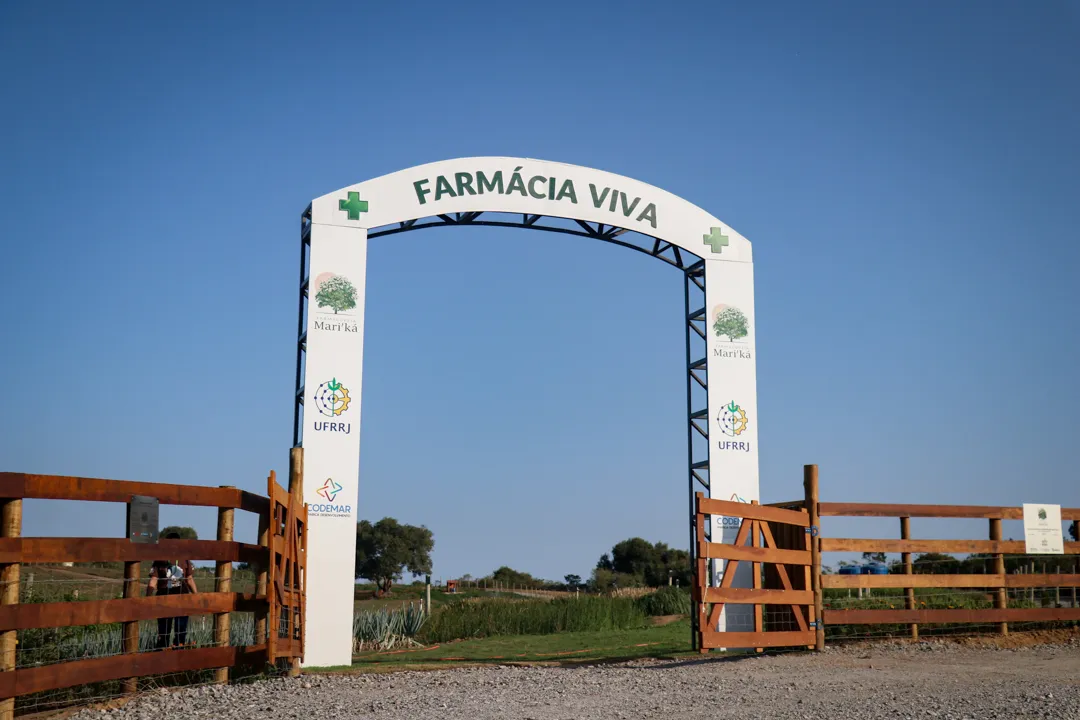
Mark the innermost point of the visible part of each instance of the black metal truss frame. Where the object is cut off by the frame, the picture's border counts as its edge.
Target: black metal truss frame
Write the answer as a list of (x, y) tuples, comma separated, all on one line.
[(692, 267)]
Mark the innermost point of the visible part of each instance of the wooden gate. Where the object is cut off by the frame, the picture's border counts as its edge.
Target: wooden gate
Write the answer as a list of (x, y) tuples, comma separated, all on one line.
[(762, 551), (288, 565)]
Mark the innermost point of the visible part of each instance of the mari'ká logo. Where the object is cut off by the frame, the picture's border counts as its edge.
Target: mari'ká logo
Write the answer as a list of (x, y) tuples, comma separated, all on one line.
[(732, 419), (1042, 513), (730, 322), (332, 398), (329, 490)]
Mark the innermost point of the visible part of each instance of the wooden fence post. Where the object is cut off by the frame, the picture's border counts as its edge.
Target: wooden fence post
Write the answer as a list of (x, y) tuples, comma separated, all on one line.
[(701, 580), (810, 489), (223, 583), (755, 568), (296, 491), (10, 527), (262, 573), (132, 573), (1000, 600), (909, 593)]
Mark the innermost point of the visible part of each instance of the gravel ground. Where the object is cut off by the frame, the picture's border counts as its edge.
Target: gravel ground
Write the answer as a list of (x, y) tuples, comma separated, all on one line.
[(925, 680)]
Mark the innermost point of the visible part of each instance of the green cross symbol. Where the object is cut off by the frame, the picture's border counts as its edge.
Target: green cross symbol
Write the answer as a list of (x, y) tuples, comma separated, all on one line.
[(716, 240), (354, 205)]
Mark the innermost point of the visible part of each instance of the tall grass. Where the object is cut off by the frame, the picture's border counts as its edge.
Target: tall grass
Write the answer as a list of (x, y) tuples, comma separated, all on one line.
[(666, 601), (485, 618)]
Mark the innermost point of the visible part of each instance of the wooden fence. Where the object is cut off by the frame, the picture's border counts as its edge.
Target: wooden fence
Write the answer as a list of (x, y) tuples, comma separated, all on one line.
[(791, 541), (278, 560), (995, 583)]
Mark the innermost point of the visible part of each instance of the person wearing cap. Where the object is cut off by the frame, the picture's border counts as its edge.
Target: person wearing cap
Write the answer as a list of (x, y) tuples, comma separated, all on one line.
[(171, 577)]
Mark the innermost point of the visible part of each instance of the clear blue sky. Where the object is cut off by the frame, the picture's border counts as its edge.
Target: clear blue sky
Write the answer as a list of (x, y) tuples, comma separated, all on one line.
[(909, 174)]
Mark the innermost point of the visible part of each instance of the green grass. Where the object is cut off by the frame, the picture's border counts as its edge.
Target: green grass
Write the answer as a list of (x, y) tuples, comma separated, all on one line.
[(672, 640), (404, 594), (494, 617)]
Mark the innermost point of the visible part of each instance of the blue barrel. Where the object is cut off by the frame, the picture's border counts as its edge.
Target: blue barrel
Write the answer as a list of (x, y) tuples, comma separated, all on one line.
[(850, 570), (875, 569)]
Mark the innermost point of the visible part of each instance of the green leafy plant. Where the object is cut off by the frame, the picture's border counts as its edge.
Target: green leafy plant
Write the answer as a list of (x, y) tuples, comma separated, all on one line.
[(384, 628)]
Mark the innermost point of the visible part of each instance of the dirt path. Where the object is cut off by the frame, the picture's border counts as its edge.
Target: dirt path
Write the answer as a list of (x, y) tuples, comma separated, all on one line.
[(928, 680)]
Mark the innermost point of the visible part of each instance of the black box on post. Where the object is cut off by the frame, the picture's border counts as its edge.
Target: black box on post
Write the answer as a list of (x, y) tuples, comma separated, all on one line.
[(142, 519)]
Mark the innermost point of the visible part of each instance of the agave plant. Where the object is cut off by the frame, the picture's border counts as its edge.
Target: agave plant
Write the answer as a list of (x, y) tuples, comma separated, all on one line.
[(384, 628)]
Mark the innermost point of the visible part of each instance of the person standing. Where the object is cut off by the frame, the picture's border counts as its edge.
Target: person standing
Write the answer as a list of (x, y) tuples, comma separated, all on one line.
[(172, 577)]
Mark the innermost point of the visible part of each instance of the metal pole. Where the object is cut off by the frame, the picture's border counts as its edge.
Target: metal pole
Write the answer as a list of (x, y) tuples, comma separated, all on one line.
[(692, 513)]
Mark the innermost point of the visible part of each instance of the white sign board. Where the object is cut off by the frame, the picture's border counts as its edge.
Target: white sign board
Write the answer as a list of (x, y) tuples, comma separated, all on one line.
[(334, 324), (1042, 530)]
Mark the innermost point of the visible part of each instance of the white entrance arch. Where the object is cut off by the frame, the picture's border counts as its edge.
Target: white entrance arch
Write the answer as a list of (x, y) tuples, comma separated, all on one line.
[(507, 192)]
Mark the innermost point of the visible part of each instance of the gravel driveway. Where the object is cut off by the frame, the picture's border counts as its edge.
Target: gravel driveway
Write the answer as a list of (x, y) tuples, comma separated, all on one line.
[(927, 680)]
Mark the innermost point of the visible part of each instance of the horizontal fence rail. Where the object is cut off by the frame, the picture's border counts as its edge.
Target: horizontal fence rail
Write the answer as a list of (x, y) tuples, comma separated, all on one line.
[(1010, 547), (84, 550), (57, 487), (82, 672), (931, 580), (985, 512), (95, 612)]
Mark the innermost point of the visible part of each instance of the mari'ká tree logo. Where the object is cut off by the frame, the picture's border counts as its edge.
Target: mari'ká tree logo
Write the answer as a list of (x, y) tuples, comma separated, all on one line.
[(335, 292), (332, 398), (732, 419), (1042, 513), (730, 322)]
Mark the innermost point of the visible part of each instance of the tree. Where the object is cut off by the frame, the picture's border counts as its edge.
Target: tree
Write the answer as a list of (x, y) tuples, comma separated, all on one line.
[(385, 550), (509, 577), (646, 563), (878, 557), (930, 563), (185, 532), (572, 581), (731, 322), (604, 580), (1073, 530), (337, 293)]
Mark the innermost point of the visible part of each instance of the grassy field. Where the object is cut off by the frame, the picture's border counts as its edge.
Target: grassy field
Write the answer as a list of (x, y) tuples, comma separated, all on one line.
[(364, 596), (671, 640)]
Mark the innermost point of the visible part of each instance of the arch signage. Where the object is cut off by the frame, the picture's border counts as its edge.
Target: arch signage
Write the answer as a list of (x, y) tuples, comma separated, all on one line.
[(505, 192)]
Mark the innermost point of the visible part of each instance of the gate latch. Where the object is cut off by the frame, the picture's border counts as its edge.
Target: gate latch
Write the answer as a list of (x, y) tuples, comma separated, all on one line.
[(813, 530)]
